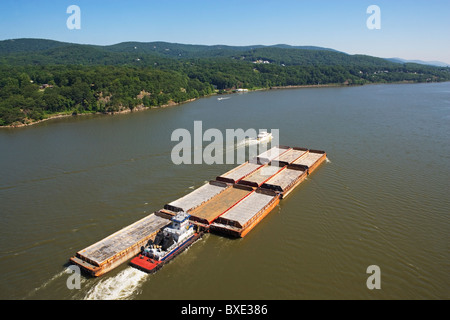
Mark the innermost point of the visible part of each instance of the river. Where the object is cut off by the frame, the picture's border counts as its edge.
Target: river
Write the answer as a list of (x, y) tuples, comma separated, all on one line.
[(381, 198)]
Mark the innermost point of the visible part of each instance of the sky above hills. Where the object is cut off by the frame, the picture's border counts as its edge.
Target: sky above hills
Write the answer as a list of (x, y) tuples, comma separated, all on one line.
[(409, 29)]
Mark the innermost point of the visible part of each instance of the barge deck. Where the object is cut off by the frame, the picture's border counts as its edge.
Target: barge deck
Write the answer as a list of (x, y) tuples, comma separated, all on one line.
[(257, 178), (197, 197), (117, 248), (237, 174), (271, 154), (289, 156), (212, 209)]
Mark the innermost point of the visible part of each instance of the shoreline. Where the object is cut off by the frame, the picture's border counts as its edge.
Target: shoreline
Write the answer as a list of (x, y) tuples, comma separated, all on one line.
[(112, 113), (172, 104)]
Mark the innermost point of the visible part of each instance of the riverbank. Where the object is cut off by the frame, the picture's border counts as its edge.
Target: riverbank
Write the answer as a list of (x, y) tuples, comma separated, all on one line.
[(30, 122), (139, 108)]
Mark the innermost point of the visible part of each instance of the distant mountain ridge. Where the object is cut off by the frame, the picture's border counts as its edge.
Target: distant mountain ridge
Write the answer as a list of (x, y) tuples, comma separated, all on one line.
[(43, 51), (17, 52), (428, 63), (33, 45)]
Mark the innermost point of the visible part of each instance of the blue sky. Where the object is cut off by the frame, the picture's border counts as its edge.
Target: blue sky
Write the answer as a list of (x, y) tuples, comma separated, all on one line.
[(409, 29)]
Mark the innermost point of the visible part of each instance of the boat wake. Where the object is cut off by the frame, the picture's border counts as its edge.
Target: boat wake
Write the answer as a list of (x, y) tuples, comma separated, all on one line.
[(249, 141), (48, 282), (120, 287)]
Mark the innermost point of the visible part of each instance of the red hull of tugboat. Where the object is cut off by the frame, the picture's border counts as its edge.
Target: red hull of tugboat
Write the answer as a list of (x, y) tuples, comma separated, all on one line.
[(146, 264)]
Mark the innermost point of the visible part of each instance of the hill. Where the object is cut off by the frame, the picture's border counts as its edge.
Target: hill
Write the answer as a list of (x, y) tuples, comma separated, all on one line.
[(49, 52)]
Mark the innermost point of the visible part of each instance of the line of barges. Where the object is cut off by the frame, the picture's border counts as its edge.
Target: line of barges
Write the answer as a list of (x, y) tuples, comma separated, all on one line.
[(232, 204)]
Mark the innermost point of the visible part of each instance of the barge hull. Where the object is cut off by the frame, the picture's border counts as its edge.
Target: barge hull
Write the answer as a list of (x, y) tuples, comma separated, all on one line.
[(287, 180), (223, 227), (258, 219)]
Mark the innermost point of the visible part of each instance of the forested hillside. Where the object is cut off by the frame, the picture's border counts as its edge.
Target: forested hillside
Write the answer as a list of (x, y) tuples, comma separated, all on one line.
[(40, 78)]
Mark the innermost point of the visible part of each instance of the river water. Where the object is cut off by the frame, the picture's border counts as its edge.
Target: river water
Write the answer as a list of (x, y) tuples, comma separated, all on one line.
[(381, 198)]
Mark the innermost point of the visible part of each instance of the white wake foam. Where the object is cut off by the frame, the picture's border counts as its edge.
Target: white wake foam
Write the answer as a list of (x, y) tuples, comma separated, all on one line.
[(120, 287)]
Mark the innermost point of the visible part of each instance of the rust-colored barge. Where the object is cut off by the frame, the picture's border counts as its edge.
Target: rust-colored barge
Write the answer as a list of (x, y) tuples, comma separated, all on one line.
[(232, 204), (246, 214), (117, 248)]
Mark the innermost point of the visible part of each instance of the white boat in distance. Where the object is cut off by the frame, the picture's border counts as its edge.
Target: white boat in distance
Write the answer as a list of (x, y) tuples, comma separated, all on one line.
[(262, 136), (223, 98)]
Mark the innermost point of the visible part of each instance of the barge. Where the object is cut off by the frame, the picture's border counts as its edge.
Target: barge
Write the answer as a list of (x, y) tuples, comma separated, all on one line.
[(218, 205), (119, 247), (312, 159), (245, 215), (232, 204), (286, 180)]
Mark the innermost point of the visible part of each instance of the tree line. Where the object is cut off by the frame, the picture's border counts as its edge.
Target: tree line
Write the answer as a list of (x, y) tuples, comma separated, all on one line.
[(33, 93)]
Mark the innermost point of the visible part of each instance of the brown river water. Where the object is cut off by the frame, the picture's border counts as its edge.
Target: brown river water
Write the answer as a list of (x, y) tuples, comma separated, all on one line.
[(381, 198)]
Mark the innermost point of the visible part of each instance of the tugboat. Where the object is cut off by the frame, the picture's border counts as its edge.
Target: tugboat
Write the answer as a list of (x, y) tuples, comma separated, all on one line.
[(168, 243)]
